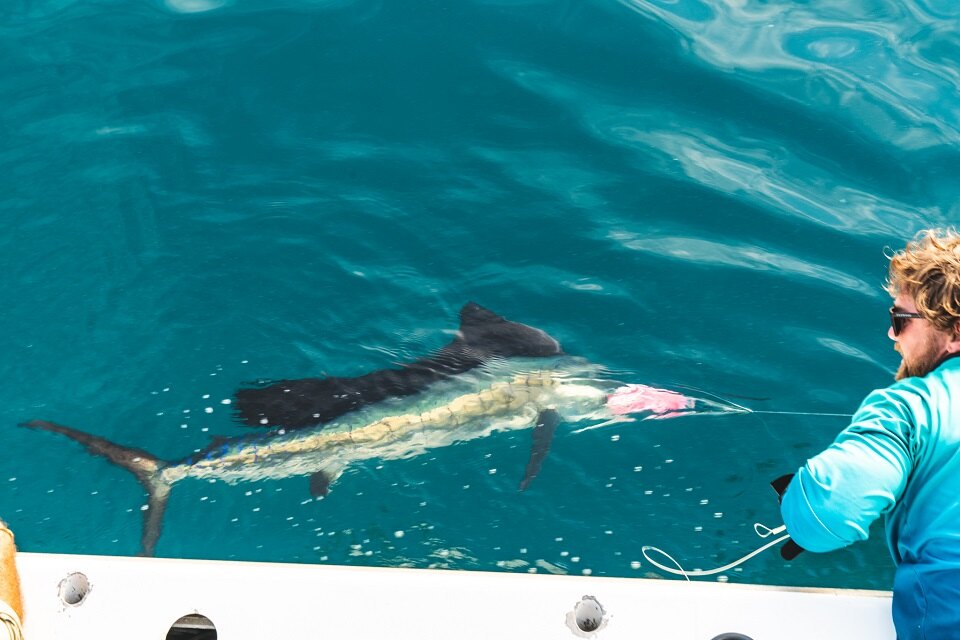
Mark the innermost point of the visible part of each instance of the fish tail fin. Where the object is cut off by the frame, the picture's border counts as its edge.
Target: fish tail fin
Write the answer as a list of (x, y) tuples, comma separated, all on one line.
[(142, 464)]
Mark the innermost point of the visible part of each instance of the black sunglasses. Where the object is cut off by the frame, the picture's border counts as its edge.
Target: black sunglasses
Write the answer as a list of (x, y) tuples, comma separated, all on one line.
[(898, 319)]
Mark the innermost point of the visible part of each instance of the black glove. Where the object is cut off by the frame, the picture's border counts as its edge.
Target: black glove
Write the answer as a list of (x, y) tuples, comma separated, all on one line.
[(790, 549)]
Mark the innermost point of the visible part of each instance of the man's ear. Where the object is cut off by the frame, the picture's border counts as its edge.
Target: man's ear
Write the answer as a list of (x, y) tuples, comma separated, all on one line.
[(954, 345)]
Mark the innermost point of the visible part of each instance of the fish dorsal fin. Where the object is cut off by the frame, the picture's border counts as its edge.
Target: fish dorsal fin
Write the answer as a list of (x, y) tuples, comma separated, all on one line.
[(472, 315), (547, 423), (486, 334)]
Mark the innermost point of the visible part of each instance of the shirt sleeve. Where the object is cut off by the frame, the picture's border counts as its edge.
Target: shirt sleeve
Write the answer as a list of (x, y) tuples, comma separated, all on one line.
[(837, 494)]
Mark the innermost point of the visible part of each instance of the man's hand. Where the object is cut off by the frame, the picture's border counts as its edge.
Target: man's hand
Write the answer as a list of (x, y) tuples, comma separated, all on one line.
[(790, 549)]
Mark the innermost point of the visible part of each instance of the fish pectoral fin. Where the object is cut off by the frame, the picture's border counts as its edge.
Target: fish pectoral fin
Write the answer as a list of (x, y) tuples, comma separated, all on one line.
[(320, 481), (547, 422)]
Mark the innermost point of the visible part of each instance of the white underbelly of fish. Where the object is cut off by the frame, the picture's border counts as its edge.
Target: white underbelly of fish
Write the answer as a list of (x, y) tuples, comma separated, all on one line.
[(332, 460)]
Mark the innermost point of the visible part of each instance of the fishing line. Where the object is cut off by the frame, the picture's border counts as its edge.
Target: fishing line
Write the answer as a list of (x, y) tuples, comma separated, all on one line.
[(761, 530), (790, 413), (739, 407), (718, 405), (605, 423), (805, 413), (787, 413)]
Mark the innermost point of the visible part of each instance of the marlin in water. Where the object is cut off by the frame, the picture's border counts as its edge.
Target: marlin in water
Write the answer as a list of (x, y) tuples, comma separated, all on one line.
[(492, 395)]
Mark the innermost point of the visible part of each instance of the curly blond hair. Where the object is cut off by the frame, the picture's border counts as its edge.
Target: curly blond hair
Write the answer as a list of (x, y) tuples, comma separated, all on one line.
[(928, 270)]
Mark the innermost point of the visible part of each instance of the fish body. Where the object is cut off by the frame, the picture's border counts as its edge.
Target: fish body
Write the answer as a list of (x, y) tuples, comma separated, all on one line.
[(496, 375), (498, 401), (498, 396)]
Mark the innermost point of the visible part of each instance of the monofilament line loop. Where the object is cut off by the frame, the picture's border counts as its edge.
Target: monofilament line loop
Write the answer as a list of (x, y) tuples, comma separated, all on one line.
[(761, 530), (764, 531)]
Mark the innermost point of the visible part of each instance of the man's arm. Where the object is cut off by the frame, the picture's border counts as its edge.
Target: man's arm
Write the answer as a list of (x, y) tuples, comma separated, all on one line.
[(834, 498)]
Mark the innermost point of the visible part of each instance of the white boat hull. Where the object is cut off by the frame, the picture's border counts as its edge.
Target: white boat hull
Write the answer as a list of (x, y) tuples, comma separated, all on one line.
[(142, 598)]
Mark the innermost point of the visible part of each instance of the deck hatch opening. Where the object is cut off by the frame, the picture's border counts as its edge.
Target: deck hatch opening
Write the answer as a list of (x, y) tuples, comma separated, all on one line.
[(193, 626)]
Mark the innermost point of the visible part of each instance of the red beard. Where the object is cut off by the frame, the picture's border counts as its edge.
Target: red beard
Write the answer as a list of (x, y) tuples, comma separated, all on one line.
[(920, 364)]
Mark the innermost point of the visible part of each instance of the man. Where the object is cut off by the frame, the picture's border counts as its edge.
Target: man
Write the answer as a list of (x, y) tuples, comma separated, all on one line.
[(11, 608), (900, 456)]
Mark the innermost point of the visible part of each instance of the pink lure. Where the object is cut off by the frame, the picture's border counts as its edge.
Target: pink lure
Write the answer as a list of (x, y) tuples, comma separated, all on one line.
[(636, 398)]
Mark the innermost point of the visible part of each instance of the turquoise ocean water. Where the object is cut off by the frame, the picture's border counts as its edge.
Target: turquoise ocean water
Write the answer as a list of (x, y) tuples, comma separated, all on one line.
[(197, 194)]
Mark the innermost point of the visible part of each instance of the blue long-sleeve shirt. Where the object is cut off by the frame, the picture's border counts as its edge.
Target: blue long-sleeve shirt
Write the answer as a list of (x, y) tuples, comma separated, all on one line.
[(900, 457)]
